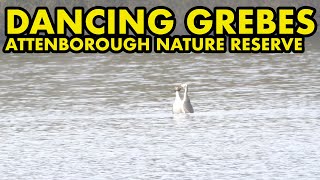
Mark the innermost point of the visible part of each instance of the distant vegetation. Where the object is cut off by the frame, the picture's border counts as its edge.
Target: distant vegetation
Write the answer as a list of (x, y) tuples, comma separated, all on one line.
[(179, 7)]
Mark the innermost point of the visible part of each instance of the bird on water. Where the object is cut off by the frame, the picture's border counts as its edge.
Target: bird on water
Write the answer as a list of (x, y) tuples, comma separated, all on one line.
[(182, 105), (176, 108)]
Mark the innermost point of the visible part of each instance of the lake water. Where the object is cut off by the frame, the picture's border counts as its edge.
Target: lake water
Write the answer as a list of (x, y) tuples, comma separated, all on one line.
[(108, 116)]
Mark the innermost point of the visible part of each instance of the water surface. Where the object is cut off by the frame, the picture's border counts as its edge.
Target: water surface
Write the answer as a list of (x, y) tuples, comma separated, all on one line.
[(108, 116)]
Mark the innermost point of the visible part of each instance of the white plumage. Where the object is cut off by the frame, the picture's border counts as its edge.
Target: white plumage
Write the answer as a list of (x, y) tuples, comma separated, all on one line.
[(176, 108), (182, 105)]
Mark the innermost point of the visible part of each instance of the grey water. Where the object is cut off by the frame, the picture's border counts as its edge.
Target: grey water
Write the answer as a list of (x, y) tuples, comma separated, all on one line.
[(108, 116)]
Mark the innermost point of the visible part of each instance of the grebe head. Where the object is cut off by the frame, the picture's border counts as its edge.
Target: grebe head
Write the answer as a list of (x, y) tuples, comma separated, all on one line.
[(177, 88), (184, 85)]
